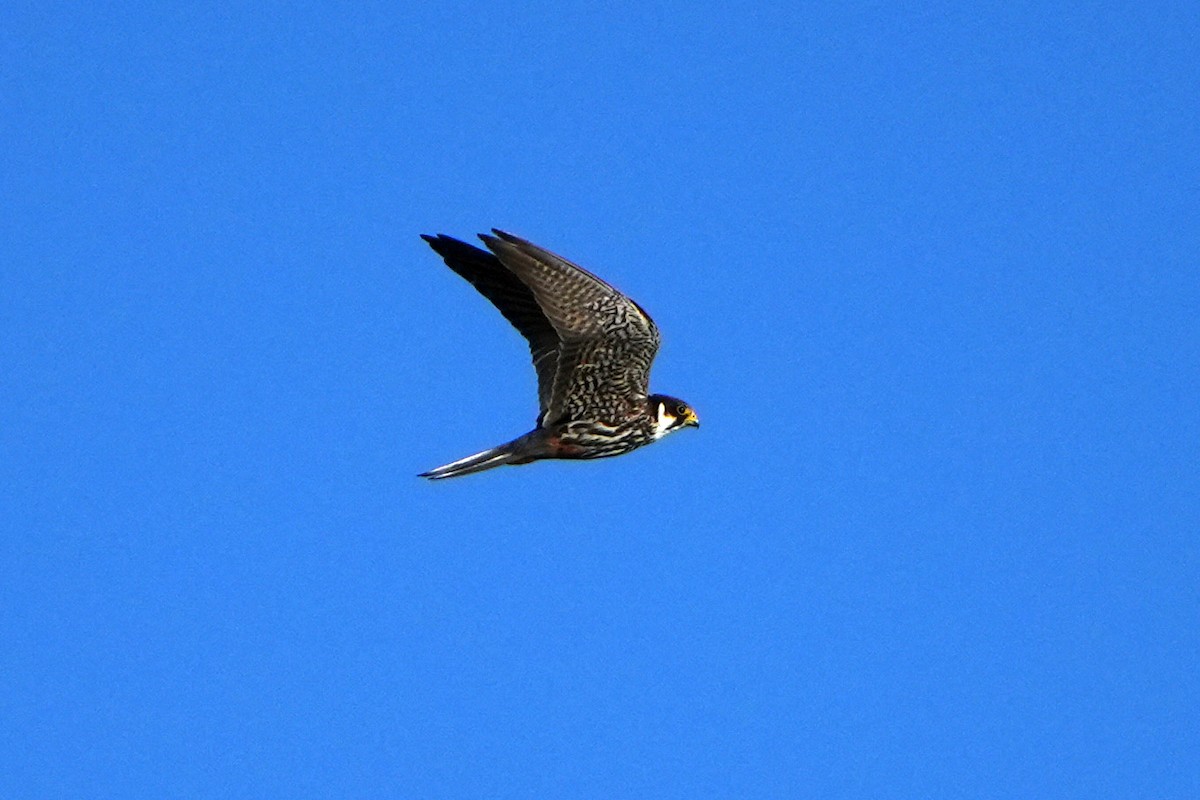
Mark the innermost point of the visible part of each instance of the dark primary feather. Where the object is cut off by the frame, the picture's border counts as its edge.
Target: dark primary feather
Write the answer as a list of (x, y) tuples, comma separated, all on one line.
[(512, 298)]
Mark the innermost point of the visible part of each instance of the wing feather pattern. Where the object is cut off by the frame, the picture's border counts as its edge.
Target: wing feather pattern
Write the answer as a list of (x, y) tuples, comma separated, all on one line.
[(608, 341), (592, 346)]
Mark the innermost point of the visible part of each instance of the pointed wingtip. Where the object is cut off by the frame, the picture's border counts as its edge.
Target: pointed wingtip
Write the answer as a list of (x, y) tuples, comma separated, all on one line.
[(489, 241), (499, 238)]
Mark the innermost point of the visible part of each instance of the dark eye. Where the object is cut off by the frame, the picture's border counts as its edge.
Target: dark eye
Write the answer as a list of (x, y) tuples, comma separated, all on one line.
[(681, 410)]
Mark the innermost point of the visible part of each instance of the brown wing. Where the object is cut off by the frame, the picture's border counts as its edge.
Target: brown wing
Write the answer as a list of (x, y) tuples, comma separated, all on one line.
[(513, 299), (607, 341)]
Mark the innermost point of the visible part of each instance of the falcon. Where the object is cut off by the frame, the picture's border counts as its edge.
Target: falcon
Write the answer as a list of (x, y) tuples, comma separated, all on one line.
[(592, 348)]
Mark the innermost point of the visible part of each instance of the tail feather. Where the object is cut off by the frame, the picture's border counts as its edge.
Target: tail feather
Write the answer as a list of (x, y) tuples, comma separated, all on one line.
[(496, 457)]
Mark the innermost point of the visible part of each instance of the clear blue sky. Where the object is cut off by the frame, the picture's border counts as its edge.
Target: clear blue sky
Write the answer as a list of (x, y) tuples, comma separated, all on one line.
[(929, 276)]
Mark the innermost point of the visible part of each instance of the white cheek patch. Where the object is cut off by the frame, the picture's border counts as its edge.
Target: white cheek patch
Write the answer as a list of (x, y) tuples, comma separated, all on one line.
[(663, 422)]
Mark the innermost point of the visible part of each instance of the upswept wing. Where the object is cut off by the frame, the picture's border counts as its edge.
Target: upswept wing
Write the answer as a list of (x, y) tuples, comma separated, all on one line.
[(608, 342)]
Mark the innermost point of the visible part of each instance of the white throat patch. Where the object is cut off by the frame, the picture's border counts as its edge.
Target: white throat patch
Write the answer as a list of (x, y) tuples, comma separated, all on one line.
[(663, 422)]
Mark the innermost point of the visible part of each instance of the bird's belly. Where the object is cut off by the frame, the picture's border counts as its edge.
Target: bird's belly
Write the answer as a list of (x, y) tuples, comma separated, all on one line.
[(596, 440)]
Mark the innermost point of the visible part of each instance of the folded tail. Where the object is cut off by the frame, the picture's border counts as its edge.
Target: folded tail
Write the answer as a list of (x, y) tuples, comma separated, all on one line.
[(496, 457)]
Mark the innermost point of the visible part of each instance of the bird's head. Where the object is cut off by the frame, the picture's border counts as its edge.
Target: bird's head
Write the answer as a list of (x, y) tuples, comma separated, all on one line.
[(670, 414)]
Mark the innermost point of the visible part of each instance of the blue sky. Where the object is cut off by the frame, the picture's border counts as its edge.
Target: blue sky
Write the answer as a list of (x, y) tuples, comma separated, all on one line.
[(929, 277)]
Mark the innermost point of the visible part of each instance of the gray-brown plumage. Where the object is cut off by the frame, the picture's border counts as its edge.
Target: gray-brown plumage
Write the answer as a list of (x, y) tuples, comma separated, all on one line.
[(592, 348)]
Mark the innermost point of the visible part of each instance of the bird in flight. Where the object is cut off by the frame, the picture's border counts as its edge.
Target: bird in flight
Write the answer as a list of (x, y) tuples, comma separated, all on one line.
[(591, 345)]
